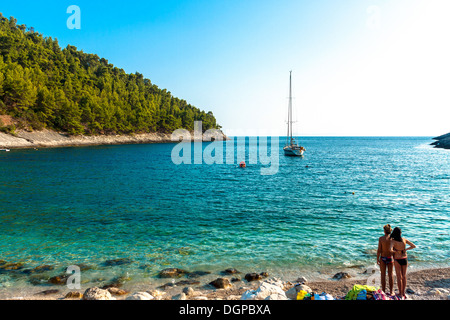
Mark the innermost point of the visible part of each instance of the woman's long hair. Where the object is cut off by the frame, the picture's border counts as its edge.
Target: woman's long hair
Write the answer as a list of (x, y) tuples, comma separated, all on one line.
[(397, 235)]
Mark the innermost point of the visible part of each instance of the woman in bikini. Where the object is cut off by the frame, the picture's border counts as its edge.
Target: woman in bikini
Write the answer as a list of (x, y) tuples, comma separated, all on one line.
[(401, 258), (384, 259)]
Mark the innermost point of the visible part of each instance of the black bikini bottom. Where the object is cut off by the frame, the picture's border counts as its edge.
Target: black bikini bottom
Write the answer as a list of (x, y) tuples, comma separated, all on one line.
[(402, 262)]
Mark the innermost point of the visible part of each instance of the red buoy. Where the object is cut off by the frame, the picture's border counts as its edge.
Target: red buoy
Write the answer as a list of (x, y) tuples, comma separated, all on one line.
[(242, 164)]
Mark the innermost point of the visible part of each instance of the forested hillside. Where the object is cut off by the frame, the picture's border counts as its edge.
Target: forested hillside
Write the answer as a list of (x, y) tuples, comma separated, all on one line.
[(44, 86)]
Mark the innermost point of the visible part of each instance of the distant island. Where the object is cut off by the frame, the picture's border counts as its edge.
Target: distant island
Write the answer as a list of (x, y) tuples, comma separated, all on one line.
[(44, 88), (442, 141)]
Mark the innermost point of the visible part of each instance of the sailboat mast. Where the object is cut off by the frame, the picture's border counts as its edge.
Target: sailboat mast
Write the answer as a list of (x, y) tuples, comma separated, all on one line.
[(290, 106)]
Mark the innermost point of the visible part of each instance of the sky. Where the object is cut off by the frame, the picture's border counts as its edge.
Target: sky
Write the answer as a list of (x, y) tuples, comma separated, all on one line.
[(359, 67)]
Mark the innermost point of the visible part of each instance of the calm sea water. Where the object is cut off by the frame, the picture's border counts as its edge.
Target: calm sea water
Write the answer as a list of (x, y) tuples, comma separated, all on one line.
[(88, 205)]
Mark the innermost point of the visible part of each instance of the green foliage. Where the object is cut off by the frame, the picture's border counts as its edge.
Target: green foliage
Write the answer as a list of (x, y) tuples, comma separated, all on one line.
[(80, 93), (8, 129)]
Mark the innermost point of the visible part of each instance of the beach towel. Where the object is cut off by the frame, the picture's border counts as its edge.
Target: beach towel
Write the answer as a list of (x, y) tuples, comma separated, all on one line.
[(353, 293), (380, 295)]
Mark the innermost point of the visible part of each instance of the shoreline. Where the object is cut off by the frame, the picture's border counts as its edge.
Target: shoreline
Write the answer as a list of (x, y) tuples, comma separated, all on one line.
[(51, 139), (423, 284)]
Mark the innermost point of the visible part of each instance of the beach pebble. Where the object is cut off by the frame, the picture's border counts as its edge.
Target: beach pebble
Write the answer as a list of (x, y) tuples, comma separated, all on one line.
[(73, 295), (116, 291), (157, 294), (301, 280), (140, 296), (221, 283), (181, 296), (188, 291), (97, 294)]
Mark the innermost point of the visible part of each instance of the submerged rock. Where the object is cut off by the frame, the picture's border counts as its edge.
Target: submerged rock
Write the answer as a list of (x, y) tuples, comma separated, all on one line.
[(117, 262), (48, 292), (230, 271), (221, 283), (341, 275), (39, 269), (172, 273), (197, 274), (85, 267), (11, 266), (60, 280), (255, 276), (116, 282), (179, 283), (37, 280), (187, 282)]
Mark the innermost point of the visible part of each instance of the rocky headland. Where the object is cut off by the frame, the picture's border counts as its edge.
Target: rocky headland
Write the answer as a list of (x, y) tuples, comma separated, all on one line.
[(22, 139), (442, 142)]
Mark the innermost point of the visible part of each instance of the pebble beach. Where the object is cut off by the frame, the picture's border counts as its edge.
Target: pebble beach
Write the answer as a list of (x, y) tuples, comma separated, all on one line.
[(426, 284)]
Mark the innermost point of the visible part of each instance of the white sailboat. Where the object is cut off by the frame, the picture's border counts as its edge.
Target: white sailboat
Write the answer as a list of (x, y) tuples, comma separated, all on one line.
[(292, 149)]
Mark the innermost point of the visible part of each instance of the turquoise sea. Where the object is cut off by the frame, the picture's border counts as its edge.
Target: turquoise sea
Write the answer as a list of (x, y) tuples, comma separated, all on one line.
[(319, 213)]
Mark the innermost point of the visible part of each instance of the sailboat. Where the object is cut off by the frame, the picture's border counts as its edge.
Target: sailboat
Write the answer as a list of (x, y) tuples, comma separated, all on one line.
[(292, 149)]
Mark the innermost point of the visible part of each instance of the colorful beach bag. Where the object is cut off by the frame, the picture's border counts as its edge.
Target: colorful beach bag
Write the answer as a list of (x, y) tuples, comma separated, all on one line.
[(357, 288)]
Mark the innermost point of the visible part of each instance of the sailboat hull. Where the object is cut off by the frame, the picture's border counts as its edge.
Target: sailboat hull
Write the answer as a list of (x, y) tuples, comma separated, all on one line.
[(293, 152)]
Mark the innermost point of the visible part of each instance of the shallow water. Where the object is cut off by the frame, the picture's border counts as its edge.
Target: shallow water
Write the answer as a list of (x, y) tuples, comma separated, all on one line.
[(87, 205)]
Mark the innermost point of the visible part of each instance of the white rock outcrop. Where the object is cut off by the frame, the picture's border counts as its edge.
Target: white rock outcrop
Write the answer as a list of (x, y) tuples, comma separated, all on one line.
[(265, 290)]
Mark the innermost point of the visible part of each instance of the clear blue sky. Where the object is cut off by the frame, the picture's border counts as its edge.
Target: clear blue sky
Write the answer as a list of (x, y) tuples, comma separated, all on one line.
[(360, 67)]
